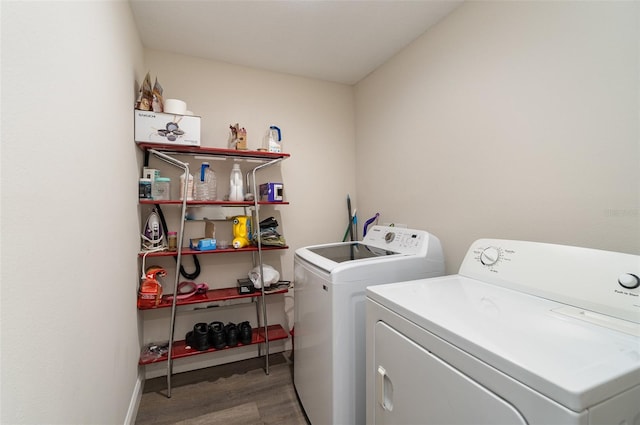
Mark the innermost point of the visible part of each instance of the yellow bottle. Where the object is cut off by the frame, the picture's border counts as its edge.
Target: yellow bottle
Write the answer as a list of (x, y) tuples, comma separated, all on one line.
[(241, 231)]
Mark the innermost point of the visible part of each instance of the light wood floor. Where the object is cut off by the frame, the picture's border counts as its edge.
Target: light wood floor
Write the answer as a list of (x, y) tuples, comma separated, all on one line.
[(234, 394)]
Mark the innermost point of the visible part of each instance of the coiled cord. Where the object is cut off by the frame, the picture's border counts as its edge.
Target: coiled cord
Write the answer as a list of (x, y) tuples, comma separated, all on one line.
[(183, 272)]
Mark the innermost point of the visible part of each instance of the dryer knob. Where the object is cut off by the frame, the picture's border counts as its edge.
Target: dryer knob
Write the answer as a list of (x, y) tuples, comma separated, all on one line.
[(490, 256), (629, 280)]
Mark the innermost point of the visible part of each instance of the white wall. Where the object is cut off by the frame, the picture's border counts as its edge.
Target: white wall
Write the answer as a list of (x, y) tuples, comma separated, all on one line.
[(317, 123), (69, 224), (511, 120), (318, 130), (515, 120)]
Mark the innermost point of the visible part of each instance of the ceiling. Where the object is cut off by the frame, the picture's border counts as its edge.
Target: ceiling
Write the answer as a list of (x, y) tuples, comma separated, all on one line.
[(340, 41)]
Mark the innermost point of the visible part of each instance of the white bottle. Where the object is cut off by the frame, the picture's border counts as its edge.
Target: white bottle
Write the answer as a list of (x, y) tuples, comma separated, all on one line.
[(189, 194), (273, 140), (205, 186), (236, 187)]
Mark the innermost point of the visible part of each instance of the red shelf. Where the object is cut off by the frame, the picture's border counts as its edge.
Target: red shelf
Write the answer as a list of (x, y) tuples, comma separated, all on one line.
[(180, 350), (213, 295), (212, 151), (189, 251), (205, 203)]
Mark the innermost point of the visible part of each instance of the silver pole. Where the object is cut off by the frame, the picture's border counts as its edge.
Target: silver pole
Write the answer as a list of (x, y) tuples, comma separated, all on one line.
[(264, 304), (184, 166)]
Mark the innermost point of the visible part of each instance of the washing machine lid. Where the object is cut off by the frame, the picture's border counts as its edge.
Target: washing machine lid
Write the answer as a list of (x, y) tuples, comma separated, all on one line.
[(343, 255), (382, 244), (576, 363), (349, 251)]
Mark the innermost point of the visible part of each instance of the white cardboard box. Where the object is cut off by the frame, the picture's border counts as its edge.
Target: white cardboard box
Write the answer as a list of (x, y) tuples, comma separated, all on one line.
[(166, 129)]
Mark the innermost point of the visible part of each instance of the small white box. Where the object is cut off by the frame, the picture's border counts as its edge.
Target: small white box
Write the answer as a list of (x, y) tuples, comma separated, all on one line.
[(166, 129), (150, 173)]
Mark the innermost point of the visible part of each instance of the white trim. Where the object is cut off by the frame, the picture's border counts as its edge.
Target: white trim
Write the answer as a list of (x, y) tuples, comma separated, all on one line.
[(132, 412)]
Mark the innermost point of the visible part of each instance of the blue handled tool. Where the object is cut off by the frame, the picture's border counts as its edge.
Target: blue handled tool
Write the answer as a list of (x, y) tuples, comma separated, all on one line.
[(368, 223)]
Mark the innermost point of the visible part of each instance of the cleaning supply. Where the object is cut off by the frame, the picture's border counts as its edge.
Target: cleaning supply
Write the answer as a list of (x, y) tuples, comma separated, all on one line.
[(236, 187), (205, 186), (189, 195), (150, 290), (273, 140), (241, 231)]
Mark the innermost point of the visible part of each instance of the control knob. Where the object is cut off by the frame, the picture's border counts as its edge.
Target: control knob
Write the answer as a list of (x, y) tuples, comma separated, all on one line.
[(490, 256), (629, 280)]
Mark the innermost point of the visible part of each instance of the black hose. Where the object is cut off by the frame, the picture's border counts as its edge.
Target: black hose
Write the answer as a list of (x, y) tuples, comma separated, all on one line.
[(183, 272)]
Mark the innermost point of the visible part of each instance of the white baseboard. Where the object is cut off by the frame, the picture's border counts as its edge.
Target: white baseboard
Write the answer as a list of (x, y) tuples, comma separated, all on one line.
[(132, 412)]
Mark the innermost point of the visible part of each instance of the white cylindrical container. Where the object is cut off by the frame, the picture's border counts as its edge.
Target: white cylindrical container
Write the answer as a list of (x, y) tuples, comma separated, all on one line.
[(236, 186), (189, 194), (162, 189), (175, 106)]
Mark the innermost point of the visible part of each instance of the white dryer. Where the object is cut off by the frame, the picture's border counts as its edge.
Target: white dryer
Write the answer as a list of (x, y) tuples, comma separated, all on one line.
[(329, 314), (525, 333)]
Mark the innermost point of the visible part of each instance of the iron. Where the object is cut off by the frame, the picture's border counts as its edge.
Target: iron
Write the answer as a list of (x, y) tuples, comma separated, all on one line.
[(153, 234)]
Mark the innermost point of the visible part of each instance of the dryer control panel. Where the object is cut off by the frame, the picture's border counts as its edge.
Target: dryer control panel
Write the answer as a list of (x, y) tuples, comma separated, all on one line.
[(600, 281)]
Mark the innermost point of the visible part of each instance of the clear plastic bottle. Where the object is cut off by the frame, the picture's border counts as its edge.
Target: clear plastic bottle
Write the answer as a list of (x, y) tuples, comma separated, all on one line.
[(189, 193), (200, 186), (205, 187), (213, 184), (236, 186)]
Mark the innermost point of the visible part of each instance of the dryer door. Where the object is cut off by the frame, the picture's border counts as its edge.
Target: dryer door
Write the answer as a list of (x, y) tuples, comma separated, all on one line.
[(415, 387)]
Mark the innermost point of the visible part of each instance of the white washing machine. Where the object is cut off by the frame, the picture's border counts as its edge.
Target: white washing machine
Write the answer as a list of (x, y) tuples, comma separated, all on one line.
[(525, 333), (329, 314)]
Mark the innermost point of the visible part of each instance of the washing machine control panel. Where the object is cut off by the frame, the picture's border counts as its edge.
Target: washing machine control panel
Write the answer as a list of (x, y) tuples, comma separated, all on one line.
[(599, 281), (397, 239)]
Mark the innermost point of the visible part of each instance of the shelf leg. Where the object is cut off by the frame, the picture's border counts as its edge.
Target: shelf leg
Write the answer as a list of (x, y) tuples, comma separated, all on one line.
[(259, 322), (256, 197), (172, 325)]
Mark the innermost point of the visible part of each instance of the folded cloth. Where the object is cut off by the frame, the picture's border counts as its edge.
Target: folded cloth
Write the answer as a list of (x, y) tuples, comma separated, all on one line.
[(269, 236), (268, 222)]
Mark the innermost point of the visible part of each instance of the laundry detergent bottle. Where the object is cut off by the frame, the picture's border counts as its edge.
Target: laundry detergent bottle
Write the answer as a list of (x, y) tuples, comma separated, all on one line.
[(236, 187)]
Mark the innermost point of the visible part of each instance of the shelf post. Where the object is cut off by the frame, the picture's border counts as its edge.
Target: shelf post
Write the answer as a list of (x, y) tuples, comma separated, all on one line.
[(184, 166), (259, 240)]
